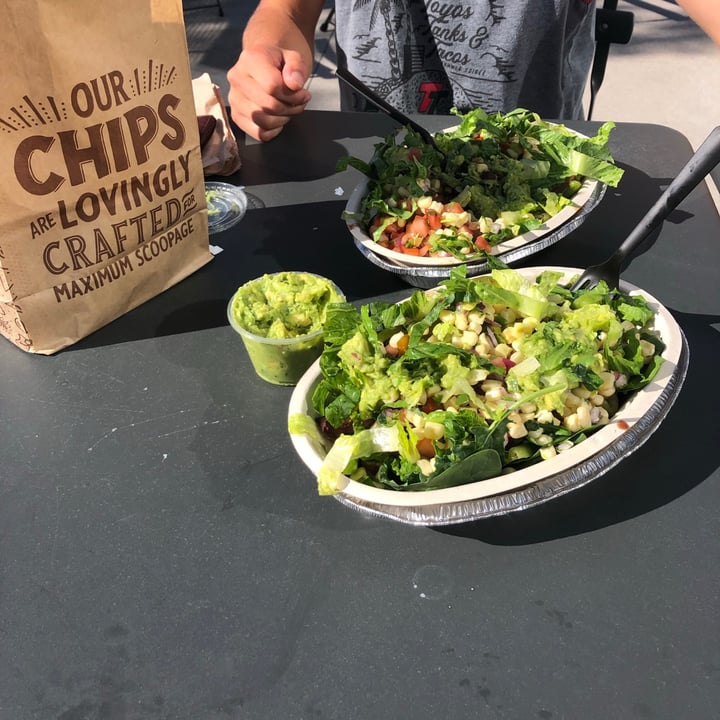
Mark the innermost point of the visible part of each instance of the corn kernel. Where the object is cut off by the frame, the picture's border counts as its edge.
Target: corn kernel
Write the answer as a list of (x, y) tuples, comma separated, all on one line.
[(572, 401), (433, 430), (511, 333), (469, 339), (548, 452), (426, 466), (516, 430), (606, 391), (544, 416), (424, 202), (477, 375), (583, 415), (572, 423), (395, 339), (414, 417), (495, 394), (647, 349), (503, 350), (484, 347), (476, 317)]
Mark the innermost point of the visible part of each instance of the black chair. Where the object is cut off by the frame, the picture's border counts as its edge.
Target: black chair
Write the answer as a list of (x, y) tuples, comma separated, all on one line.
[(611, 26)]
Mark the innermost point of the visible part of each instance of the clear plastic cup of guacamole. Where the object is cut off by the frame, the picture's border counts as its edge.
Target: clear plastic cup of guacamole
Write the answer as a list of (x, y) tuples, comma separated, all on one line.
[(280, 319)]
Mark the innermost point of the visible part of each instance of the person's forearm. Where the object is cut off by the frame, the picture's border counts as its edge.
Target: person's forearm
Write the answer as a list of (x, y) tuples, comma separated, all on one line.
[(288, 24), (706, 13)]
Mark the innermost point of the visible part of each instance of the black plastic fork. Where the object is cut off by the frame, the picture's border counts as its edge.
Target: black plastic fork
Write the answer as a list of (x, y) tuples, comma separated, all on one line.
[(358, 85), (695, 170)]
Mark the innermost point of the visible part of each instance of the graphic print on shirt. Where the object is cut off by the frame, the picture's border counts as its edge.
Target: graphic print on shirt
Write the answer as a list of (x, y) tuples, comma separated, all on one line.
[(428, 56)]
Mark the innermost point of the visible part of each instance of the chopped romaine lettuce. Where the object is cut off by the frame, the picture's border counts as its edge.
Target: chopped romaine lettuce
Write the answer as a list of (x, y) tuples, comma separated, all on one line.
[(509, 172), (478, 377)]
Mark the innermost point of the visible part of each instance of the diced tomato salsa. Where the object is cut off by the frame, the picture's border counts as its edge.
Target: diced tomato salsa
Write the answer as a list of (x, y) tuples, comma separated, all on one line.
[(432, 221)]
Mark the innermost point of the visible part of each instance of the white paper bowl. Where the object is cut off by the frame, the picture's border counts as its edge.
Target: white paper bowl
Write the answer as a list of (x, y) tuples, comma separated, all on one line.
[(629, 428), (527, 240), (425, 272)]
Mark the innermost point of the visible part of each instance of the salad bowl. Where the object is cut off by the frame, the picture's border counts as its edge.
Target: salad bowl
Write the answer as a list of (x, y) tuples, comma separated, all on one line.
[(502, 185), (632, 425), (427, 275), (513, 248)]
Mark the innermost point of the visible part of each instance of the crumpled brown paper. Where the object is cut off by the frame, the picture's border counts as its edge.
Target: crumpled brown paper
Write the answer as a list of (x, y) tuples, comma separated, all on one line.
[(220, 154)]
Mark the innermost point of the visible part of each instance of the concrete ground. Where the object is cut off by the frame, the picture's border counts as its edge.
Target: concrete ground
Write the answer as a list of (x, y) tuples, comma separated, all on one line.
[(669, 72)]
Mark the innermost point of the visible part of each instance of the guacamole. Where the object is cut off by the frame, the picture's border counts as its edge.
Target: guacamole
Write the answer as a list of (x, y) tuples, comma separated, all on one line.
[(280, 318)]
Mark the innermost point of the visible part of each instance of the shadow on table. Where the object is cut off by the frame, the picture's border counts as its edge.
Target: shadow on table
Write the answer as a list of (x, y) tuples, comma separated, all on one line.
[(310, 147), (679, 456), (309, 237)]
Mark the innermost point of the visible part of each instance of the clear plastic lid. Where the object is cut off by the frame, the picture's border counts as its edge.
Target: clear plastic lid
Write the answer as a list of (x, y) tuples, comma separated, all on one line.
[(226, 205)]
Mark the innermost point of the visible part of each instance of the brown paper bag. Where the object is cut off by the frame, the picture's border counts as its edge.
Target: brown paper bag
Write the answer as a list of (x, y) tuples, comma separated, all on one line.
[(102, 199)]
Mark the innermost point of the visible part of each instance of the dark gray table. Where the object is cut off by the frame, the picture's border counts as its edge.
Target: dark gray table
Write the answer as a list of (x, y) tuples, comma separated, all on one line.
[(163, 553)]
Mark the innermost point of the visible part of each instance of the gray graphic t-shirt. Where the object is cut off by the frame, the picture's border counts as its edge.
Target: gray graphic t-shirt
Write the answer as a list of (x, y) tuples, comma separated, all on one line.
[(427, 56)]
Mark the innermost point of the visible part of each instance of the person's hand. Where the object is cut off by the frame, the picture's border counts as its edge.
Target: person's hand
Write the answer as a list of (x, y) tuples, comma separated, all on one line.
[(267, 89)]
